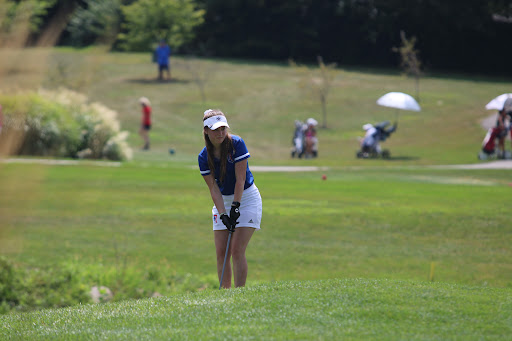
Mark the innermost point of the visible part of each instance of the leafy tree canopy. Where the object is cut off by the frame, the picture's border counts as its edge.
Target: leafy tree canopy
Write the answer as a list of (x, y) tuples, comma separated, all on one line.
[(147, 21), (98, 20), (35, 10)]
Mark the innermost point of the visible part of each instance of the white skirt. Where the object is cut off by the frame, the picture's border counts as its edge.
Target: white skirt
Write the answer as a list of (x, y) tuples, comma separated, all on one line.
[(250, 209)]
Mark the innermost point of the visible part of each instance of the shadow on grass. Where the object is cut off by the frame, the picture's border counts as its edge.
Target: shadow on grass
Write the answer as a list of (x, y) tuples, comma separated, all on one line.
[(402, 158), (156, 81)]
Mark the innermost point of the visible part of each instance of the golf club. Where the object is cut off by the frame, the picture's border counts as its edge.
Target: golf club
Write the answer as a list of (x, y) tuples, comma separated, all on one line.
[(226, 256)]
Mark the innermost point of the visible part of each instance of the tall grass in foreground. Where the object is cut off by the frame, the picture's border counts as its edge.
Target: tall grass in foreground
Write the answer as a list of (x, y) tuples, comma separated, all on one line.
[(351, 309)]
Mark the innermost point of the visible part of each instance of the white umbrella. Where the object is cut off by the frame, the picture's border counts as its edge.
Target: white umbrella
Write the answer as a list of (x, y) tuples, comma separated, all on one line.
[(399, 100), (498, 102)]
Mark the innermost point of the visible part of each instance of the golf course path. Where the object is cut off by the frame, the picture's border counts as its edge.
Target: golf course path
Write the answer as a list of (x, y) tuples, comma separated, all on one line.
[(62, 162), (287, 168), (497, 164)]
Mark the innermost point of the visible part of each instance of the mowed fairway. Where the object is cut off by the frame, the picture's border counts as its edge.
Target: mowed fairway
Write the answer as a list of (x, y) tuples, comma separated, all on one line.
[(382, 249), (371, 223)]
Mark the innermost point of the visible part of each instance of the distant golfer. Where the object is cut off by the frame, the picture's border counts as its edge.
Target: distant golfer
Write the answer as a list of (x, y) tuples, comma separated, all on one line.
[(224, 167), (162, 54), (145, 125)]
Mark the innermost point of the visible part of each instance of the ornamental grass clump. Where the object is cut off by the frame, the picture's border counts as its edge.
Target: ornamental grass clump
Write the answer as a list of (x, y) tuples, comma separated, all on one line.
[(63, 123)]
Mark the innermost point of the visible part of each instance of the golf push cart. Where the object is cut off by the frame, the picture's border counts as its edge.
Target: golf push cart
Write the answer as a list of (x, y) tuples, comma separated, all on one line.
[(370, 143)]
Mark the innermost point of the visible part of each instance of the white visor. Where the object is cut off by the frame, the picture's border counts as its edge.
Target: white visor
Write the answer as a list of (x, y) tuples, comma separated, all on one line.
[(215, 122)]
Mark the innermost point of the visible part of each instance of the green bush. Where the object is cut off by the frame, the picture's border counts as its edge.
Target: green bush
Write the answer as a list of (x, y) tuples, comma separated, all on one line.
[(7, 284), (26, 289), (64, 124), (49, 130)]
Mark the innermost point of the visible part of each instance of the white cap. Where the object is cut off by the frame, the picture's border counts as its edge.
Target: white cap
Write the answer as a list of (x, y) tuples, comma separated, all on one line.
[(311, 122), (144, 100), (367, 126), (215, 122)]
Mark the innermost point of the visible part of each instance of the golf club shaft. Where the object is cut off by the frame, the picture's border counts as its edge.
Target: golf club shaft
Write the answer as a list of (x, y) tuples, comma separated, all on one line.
[(225, 258)]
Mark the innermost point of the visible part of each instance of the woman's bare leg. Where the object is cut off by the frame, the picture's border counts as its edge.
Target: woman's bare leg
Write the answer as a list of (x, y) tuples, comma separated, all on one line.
[(240, 240)]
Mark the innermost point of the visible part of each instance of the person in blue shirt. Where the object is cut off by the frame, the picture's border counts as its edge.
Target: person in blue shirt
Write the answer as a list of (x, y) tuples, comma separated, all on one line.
[(223, 163), (162, 55)]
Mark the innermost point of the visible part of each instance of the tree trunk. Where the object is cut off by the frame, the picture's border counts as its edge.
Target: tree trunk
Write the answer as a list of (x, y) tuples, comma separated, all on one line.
[(324, 112)]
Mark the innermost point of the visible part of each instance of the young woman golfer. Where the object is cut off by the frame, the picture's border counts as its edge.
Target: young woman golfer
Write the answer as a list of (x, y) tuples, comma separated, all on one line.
[(237, 201)]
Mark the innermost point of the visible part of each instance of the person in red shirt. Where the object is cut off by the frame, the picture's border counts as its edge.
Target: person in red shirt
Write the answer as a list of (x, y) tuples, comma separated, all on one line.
[(145, 126), (311, 139), (501, 128)]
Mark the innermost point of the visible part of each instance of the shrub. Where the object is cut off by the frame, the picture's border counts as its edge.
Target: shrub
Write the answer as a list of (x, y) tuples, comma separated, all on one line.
[(64, 124), (49, 130), (7, 284), (25, 289), (28, 289)]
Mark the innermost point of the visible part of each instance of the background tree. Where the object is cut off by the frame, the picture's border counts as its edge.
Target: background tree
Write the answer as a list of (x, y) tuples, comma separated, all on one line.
[(20, 19), (500, 7), (317, 82), (409, 60), (147, 21), (361, 32), (458, 35), (201, 72), (96, 21)]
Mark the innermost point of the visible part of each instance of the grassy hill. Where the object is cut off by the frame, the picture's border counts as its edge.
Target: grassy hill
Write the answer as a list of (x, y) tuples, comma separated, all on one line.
[(306, 310), (263, 100)]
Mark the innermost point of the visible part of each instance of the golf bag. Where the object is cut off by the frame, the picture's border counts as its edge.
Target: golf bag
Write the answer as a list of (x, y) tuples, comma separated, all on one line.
[(370, 144), (298, 140), (489, 143), (304, 136)]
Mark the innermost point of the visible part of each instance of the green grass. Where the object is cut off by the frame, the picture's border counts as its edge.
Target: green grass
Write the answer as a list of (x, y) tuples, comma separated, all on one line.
[(359, 223), (358, 309), (380, 250)]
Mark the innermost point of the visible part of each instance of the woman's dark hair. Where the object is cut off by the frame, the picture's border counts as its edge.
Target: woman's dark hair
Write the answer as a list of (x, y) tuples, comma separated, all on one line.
[(225, 149)]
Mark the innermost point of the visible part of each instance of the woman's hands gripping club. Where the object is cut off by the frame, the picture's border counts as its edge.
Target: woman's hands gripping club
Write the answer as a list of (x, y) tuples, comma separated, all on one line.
[(231, 220)]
